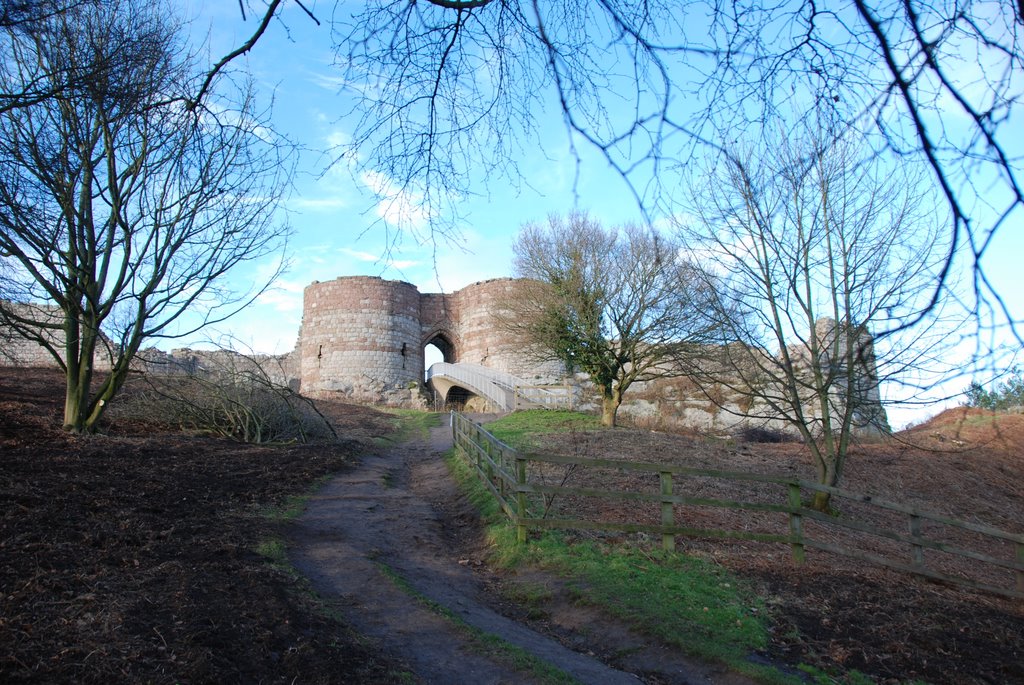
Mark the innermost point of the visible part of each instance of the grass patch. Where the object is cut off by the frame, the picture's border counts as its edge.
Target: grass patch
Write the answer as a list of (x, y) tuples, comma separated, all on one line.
[(291, 508), (534, 597), (689, 603), (487, 643), (820, 677), (274, 550), (683, 601), (293, 505), (410, 424), (523, 429)]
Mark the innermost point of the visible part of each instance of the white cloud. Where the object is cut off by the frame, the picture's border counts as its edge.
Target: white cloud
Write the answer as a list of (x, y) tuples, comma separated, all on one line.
[(338, 138), (318, 204), (384, 260), (399, 206), (361, 256), (284, 296)]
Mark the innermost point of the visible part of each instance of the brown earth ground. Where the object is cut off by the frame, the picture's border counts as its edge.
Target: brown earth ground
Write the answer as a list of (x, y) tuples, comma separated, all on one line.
[(840, 613), (130, 556)]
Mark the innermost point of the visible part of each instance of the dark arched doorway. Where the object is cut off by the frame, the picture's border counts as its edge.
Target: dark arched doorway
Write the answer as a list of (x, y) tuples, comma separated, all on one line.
[(443, 344), (439, 348), (457, 398)]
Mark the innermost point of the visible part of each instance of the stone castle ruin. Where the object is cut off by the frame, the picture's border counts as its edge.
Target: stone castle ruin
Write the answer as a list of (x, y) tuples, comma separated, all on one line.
[(364, 338)]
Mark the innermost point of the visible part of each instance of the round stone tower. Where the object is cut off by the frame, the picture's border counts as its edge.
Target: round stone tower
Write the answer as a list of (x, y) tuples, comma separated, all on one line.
[(486, 343), (361, 336)]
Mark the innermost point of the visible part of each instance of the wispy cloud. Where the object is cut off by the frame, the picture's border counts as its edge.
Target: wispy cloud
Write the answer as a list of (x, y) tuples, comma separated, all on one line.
[(318, 204), (383, 260), (361, 256), (399, 206)]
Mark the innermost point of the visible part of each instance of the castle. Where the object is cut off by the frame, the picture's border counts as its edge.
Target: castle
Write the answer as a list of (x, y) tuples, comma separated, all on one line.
[(363, 338)]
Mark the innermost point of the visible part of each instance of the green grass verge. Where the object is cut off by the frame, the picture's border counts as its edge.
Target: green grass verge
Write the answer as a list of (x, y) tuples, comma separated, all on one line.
[(524, 429), (486, 643), (410, 424), (275, 552), (689, 603)]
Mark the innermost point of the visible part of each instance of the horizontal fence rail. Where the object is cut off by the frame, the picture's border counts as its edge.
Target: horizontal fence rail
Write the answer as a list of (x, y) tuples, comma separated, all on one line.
[(544, 396), (506, 472)]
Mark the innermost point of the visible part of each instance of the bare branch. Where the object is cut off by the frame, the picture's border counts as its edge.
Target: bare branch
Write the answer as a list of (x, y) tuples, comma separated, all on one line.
[(237, 52), (125, 209)]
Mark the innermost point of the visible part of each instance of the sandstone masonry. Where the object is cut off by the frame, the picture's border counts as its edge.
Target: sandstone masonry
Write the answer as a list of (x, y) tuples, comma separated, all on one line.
[(364, 337)]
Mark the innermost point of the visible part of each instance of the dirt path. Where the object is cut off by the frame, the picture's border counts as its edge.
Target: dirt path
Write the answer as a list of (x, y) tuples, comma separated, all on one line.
[(398, 519)]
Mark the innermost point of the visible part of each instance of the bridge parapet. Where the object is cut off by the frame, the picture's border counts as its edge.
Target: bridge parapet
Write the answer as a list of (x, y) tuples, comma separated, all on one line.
[(503, 390)]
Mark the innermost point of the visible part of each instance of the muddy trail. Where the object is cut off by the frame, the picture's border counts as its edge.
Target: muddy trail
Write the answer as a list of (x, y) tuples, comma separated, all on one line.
[(395, 548)]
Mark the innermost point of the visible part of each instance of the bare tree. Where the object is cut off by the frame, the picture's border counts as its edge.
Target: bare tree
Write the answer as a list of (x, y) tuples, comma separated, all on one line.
[(616, 304), (820, 260), (451, 90), (125, 205)]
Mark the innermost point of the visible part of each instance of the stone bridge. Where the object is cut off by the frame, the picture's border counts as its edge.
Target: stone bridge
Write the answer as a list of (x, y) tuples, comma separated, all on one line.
[(502, 391)]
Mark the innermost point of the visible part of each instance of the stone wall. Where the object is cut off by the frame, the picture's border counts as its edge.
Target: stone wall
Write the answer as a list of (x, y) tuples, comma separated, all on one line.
[(676, 401), (364, 337), (18, 350)]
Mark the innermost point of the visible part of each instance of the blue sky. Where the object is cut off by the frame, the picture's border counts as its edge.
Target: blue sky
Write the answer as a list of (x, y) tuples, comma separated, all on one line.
[(339, 230)]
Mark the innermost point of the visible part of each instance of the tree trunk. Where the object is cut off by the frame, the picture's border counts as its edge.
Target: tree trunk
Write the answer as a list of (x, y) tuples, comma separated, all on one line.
[(610, 401), (106, 391), (826, 476), (821, 502), (76, 374), (79, 350), (73, 400)]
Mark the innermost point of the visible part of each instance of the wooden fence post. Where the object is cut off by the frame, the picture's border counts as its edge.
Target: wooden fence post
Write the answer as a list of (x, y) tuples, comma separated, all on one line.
[(486, 445), (502, 485), (476, 441), (520, 499), (668, 541), (796, 524), (915, 532)]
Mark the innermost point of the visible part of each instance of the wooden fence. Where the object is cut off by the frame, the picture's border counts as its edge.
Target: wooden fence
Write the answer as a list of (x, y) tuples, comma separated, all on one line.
[(505, 472)]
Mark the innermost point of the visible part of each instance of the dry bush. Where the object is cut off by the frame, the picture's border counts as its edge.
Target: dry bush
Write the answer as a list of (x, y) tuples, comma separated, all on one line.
[(765, 435), (231, 395)]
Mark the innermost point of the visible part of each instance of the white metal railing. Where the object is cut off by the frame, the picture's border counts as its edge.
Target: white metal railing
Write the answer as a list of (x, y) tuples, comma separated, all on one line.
[(503, 389)]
